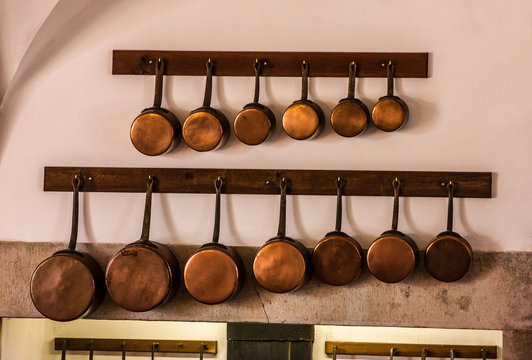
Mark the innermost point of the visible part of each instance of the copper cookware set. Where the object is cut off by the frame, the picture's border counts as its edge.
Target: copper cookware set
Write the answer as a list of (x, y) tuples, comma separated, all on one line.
[(156, 130)]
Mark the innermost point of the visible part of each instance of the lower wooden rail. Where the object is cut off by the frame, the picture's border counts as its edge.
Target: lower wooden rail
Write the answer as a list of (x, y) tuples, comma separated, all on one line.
[(137, 345), (413, 350)]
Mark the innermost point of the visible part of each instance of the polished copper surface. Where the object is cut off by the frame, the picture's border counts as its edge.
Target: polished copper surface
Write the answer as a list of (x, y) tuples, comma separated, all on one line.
[(337, 259), (252, 126), (279, 266), (139, 277), (152, 133), (203, 131), (212, 276), (391, 258), (63, 287), (349, 118), (389, 114), (301, 121), (448, 257)]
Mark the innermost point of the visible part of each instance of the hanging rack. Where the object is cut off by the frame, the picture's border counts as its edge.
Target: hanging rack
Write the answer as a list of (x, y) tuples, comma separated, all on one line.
[(411, 350), (136, 345), (264, 181)]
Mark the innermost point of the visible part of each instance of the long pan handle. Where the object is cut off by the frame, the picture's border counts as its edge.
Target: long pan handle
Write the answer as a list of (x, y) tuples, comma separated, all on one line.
[(76, 184)]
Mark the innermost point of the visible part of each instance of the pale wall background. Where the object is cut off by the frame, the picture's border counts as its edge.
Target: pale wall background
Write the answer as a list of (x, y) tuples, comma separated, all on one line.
[(62, 106)]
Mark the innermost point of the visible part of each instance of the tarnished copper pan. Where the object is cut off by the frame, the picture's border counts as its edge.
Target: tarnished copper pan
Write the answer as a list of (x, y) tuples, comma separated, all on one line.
[(254, 124), (69, 284), (156, 130), (214, 273), (449, 256), (393, 256), (337, 258), (351, 116), (282, 264), (391, 112), (304, 118), (206, 128), (144, 274)]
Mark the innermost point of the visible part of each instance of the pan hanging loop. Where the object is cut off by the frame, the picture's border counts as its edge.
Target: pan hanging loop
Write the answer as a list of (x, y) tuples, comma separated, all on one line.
[(392, 353)]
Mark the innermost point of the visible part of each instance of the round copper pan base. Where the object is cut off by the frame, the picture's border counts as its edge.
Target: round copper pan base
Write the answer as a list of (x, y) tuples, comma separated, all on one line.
[(252, 125), (303, 120), (337, 259), (205, 130), (392, 258), (349, 118), (152, 132), (63, 288), (448, 257), (390, 113), (212, 276)]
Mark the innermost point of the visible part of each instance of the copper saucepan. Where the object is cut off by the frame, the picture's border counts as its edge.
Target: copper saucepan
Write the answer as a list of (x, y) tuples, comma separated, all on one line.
[(206, 128), (304, 118), (393, 256), (254, 124), (282, 264), (449, 256), (156, 130), (144, 274), (337, 259), (215, 272), (69, 284), (391, 112), (351, 116)]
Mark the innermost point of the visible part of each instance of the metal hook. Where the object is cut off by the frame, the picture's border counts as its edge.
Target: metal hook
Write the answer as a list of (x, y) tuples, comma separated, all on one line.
[(283, 184), (339, 183), (150, 180), (218, 183), (423, 354), (123, 348), (202, 347), (452, 354), (63, 351), (334, 352), (153, 346), (484, 354), (392, 353), (91, 350), (396, 183)]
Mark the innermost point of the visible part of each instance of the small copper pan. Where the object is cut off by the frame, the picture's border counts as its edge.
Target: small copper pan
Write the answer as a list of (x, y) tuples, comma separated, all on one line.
[(282, 264), (254, 124), (391, 112), (393, 256), (156, 130), (215, 272), (449, 256), (144, 274), (304, 118), (337, 259), (206, 128), (69, 284), (351, 116)]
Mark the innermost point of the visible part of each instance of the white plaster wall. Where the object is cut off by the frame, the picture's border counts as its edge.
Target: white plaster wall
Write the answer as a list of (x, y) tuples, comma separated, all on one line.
[(63, 107)]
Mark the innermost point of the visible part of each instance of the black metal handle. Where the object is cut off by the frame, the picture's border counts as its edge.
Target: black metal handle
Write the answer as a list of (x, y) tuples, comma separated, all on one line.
[(208, 84), (396, 184), (144, 237), (63, 351), (339, 187), (304, 80), (159, 74), (154, 347), (202, 347), (450, 189), (282, 211), (76, 184), (123, 348), (257, 67), (390, 73), (352, 79), (216, 232), (91, 351)]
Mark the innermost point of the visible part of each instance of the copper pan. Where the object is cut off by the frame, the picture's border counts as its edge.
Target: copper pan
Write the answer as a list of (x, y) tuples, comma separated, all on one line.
[(69, 284), (156, 130), (144, 274), (351, 116), (206, 128), (282, 264), (337, 258), (449, 256), (391, 112), (304, 118), (215, 272), (254, 124), (393, 256)]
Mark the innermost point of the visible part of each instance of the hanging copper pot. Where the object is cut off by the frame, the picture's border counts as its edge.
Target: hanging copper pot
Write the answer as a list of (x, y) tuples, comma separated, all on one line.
[(337, 258), (69, 284), (393, 256), (351, 116), (156, 130), (144, 274), (282, 264), (215, 272), (449, 256), (391, 112), (304, 118), (206, 128), (254, 124)]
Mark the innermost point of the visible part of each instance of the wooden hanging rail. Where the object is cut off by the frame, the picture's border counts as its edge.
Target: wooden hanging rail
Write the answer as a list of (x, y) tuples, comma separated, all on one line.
[(136, 345), (412, 350), (240, 63), (253, 181)]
